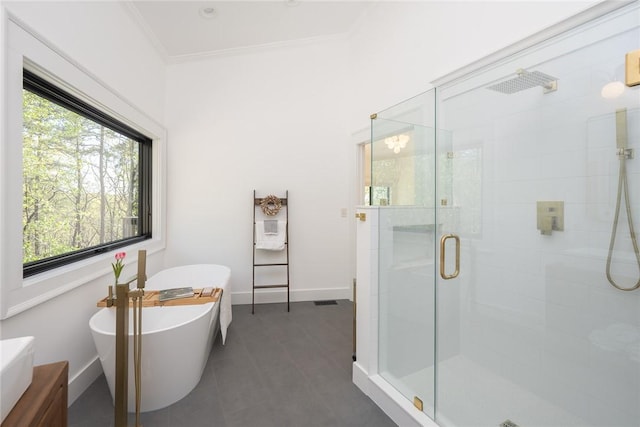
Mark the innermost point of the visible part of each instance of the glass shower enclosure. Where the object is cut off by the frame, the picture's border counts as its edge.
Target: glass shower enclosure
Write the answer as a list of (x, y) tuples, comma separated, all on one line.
[(403, 159), (508, 265)]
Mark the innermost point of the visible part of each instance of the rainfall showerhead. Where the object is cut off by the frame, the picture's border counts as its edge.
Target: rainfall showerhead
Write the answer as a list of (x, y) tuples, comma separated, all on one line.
[(526, 80)]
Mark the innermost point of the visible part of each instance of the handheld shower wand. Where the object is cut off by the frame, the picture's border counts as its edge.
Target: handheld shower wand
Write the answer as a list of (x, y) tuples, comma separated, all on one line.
[(624, 153)]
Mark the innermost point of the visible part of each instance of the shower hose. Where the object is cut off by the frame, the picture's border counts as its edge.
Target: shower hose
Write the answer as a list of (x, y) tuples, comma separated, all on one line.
[(623, 187)]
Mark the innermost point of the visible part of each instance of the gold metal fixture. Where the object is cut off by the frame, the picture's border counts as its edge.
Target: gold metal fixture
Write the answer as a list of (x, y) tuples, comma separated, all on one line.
[(138, 296), (443, 241), (444, 202), (373, 116), (622, 139), (621, 128), (122, 355), (361, 216), (122, 342), (550, 217), (417, 402), (110, 299), (632, 68)]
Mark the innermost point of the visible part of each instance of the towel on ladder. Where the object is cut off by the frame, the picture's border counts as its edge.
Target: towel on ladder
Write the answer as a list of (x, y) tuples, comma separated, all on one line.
[(270, 226), (270, 241)]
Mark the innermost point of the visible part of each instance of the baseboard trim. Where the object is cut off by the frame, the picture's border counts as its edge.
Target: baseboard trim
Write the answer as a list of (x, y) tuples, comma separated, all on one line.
[(83, 379), (360, 378), (269, 296)]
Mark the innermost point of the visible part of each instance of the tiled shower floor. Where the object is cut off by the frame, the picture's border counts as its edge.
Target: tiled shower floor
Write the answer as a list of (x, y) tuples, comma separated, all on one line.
[(472, 395)]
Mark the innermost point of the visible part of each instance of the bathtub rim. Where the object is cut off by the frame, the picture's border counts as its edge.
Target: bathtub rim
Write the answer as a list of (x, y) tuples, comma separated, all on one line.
[(225, 277), (207, 309)]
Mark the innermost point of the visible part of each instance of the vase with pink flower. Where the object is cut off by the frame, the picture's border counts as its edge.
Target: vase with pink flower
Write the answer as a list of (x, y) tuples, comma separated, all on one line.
[(118, 265)]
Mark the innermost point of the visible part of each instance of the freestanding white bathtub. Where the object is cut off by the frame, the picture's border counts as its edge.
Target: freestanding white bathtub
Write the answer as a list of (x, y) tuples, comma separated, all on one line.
[(176, 341)]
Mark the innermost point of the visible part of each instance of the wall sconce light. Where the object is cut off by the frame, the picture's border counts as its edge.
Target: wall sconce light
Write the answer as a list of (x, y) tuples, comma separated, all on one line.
[(396, 142), (611, 77), (612, 90)]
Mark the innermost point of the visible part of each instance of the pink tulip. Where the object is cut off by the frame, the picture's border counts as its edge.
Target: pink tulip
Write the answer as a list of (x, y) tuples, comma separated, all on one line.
[(117, 267)]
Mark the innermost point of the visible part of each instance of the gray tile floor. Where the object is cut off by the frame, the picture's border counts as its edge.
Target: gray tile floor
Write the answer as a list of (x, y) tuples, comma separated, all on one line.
[(277, 369)]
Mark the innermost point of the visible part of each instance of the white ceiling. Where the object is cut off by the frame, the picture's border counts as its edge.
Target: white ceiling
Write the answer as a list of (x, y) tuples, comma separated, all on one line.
[(178, 30)]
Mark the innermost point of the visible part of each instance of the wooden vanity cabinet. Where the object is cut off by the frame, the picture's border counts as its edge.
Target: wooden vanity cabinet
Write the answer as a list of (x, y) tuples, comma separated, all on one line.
[(44, 403)]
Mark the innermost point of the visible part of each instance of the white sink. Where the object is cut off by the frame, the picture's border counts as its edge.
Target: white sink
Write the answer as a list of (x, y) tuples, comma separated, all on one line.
[(16, 371)]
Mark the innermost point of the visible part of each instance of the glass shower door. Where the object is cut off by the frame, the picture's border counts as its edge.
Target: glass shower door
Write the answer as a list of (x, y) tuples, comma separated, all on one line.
[(403, 185), (532, 332)]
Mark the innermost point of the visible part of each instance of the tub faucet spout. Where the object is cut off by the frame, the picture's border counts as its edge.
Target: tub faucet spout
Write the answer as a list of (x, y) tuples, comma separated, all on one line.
[(111, 300)]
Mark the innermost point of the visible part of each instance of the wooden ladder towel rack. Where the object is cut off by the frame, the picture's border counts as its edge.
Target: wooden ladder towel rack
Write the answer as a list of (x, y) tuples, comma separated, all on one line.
[(283, 216)]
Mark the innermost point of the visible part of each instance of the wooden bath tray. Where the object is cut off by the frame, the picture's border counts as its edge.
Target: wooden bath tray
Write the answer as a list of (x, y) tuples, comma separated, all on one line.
[(151, 299)]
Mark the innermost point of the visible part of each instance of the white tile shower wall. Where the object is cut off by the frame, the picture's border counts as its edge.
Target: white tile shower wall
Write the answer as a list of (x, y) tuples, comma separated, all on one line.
[(539, 310), (366, 287)]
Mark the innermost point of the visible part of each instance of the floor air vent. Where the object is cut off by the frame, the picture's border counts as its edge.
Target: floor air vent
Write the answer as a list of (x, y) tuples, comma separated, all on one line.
[(508, 423), (326, 302)]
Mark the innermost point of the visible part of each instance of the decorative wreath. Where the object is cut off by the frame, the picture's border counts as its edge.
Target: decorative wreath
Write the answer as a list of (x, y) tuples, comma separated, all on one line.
[(270, 205)]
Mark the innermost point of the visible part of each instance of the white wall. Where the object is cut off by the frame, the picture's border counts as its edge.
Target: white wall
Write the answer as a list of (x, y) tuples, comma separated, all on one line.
[(270, 121), (103, 39), (398, 48)]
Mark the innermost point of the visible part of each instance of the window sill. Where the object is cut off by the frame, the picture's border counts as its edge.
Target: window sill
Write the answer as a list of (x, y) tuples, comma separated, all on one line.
[(61, 280)]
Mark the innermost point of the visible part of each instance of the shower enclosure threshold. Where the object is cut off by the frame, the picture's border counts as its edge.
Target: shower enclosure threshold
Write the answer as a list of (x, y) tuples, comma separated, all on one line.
[(515, 403)]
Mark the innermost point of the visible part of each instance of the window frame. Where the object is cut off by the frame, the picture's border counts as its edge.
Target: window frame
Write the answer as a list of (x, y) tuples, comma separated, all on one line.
[(24, 48), (47, 90)]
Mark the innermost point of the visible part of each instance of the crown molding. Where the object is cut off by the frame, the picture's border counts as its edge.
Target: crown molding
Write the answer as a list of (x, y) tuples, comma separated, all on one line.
[(246, 50)]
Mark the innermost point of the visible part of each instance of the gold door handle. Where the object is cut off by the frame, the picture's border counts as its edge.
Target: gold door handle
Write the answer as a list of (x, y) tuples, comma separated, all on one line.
[(443, 241), (361, 216)]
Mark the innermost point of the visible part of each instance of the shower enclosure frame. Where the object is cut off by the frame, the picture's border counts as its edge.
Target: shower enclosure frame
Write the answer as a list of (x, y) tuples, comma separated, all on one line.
[(366, 372)]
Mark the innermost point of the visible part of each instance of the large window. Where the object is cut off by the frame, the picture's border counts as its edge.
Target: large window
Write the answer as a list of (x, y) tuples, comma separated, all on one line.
[(86, 179)]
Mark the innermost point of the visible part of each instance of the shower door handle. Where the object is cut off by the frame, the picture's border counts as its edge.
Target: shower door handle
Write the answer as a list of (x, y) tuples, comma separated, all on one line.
[(443, 241)]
